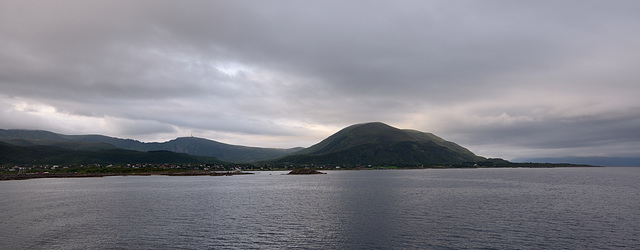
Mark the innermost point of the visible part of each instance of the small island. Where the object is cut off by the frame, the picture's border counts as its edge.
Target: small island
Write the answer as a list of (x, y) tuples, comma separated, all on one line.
[(305, 171)]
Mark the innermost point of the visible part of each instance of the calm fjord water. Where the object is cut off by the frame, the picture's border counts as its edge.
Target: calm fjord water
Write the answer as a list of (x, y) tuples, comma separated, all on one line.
[(570, 208)]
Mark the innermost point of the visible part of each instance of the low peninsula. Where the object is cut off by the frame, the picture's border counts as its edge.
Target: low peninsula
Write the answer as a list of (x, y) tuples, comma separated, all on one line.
[(25, 176)]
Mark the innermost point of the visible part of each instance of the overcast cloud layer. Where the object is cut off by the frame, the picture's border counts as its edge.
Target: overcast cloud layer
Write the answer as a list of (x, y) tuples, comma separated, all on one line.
[(502, 78)]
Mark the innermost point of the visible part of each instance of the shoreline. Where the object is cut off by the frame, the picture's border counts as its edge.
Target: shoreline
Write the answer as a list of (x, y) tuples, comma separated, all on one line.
[(26, 176), (9, 177)]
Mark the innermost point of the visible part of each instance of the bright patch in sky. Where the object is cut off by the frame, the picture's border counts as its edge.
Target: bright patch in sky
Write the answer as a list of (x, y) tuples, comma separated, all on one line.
[(34, 108), (231, 68)]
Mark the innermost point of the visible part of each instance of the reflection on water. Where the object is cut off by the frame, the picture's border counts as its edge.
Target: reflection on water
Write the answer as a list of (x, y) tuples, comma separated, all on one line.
[(448, 208)]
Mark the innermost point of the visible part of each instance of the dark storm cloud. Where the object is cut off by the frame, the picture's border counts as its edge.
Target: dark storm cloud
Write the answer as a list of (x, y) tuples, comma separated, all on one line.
[(534, 75)]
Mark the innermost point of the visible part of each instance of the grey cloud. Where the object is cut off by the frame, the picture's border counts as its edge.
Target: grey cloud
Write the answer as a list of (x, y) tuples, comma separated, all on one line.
[(330, 63), (558, 133)]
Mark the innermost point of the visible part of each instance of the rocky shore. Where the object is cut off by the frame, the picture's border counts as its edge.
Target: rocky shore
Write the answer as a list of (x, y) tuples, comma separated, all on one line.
[(305, 171)]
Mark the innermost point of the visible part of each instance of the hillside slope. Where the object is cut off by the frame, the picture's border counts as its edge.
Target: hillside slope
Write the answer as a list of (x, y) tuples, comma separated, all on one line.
[(188, 145), (380, 144), (44, 154)]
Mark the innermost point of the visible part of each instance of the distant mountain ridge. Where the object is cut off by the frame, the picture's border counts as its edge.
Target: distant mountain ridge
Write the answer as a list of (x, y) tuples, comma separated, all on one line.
[(377, 143), (597, 161), (188, 145), (372, 143), (226, 152), (47, 154), (369, 143)]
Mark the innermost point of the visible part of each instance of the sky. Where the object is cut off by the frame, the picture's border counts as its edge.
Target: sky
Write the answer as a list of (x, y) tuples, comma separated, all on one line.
[(505, 79)]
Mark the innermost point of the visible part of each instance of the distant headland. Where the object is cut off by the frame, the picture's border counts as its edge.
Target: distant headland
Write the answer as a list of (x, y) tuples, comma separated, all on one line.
[(375, 145)]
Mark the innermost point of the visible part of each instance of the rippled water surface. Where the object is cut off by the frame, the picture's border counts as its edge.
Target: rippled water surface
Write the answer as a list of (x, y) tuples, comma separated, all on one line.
[(573, 208)]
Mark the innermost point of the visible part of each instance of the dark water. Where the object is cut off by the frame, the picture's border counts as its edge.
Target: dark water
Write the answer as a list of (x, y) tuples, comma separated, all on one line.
[(573, 208)]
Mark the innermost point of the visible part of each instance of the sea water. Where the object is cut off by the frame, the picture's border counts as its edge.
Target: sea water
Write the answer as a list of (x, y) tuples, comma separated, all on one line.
[(557, 208)]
